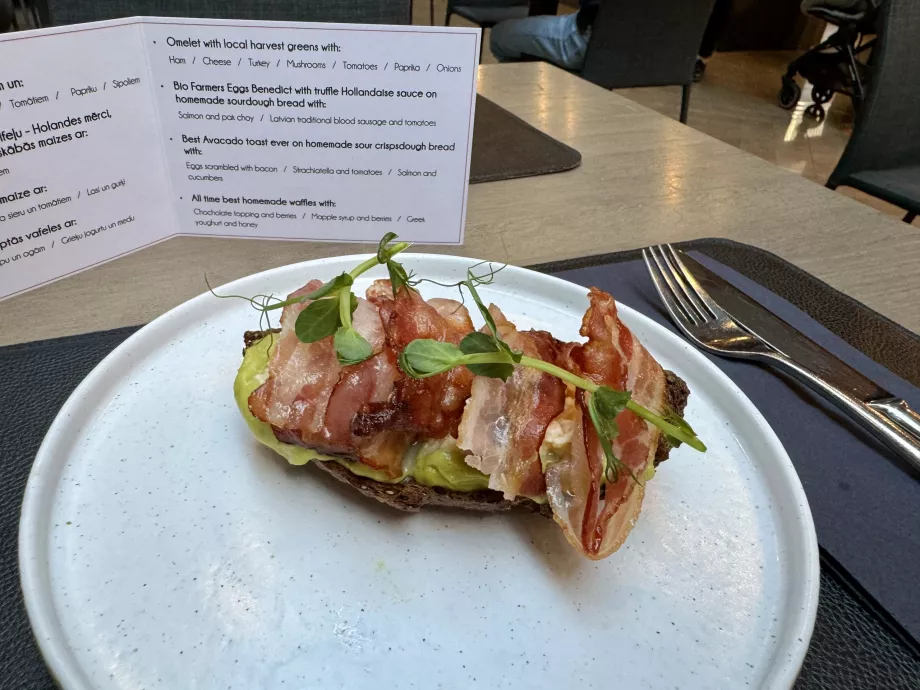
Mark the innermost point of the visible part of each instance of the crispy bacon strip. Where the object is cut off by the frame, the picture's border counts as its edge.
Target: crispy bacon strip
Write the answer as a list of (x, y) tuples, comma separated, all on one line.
[(310, 399), (504, 421), (301, 377), (613, 357), (570, 481), (370, 381), (429, 407)]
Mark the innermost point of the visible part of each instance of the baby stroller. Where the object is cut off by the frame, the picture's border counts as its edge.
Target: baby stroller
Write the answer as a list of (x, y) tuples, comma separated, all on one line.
[(833, 66)]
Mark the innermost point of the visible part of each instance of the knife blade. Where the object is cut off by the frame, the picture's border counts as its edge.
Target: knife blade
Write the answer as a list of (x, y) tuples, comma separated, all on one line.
[(785, 338)]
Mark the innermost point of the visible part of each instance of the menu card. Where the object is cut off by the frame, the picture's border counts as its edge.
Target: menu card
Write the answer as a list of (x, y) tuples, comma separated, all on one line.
[(117, 135)]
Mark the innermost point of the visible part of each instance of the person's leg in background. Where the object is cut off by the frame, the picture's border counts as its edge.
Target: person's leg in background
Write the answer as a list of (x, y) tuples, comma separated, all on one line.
[(554, 38), (721, 12)]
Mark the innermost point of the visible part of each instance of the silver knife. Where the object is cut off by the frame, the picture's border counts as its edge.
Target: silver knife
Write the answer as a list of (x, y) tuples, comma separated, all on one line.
[(802, 350)]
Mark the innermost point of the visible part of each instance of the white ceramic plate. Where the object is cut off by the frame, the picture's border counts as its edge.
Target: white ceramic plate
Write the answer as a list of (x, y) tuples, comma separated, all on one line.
[(162, 547)]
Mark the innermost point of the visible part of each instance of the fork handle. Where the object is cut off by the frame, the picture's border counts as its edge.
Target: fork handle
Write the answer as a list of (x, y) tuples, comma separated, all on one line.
[(882, 418)]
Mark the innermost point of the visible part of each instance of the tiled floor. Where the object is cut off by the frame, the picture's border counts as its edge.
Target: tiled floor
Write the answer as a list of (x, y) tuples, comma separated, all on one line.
[(737, 103)]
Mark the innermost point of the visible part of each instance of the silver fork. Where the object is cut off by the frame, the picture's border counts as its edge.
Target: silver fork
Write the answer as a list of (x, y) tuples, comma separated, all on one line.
[(712, 328)]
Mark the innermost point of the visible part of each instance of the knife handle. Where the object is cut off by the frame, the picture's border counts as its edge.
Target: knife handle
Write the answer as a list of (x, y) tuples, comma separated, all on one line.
[(899, 412), (874, 420)]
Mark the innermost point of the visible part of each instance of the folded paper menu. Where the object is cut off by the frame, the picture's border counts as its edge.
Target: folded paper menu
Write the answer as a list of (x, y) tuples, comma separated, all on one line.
[(117, 135)]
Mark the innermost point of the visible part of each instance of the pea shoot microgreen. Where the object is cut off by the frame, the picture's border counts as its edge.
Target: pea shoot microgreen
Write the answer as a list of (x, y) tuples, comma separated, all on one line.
[(260, 303), (333, 304), (486, 354)]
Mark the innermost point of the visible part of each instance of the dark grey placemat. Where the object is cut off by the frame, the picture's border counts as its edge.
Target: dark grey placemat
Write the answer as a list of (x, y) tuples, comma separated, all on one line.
[(505, 147), (852, 650)]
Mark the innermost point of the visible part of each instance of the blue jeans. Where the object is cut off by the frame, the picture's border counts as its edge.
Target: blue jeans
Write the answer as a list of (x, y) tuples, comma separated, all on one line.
[(554, 38)]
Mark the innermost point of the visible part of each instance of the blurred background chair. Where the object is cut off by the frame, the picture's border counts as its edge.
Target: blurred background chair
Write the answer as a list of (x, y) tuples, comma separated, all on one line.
[(647, 43), (834, 65), (18, 15), (882, 157), (357, 11), (484, 13), (7, 16)]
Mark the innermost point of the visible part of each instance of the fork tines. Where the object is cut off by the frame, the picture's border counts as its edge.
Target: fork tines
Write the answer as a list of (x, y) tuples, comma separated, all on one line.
[(682, 294)]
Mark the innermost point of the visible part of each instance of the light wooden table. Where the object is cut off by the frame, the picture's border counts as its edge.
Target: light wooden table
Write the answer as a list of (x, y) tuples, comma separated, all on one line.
[(644, 179)]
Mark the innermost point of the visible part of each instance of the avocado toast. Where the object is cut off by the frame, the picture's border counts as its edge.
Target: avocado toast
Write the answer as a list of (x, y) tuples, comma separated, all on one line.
[(404, 399)]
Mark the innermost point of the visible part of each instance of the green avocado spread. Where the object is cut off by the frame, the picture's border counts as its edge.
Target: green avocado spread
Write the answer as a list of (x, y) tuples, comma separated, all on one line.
[(432, 463)]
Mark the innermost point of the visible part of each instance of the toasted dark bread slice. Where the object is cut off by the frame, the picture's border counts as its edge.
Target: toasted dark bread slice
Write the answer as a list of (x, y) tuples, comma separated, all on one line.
[(409, 496)]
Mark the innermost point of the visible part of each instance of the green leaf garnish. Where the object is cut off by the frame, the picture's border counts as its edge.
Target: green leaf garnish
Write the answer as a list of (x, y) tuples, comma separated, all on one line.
[(492, 371), (672, 417), (612, 463), (610, 403), (674, 427), (479, 343), (383, 252), (341, 281), (471, 286), (423, 358), (399, 279), (351, 347), (604, 405), (318, 320)]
